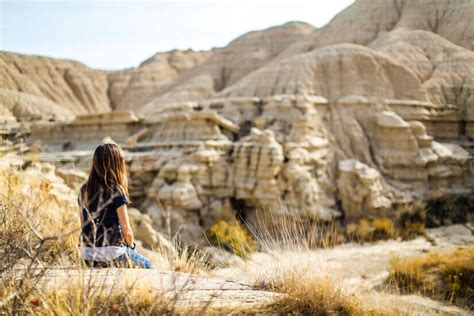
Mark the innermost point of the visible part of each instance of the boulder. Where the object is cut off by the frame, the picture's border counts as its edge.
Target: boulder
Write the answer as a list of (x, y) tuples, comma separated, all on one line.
[(361, 190)]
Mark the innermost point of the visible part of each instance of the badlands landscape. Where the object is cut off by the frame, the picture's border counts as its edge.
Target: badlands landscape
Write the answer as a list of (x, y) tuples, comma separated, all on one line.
[(296, 170)]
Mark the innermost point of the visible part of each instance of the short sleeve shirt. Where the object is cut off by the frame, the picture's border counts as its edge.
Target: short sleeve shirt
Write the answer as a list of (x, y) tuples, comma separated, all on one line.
[(101, 223)]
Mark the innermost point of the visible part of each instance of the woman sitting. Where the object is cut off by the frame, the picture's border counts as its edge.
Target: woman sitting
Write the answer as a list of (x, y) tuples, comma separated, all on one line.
[(107, 238)]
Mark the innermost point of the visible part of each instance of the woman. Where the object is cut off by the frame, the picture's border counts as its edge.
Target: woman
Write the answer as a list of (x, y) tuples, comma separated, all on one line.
[(106, 236)]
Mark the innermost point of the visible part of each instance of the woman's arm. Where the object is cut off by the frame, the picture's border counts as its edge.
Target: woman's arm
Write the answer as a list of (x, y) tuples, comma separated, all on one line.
[(82, 217), (125, 224)]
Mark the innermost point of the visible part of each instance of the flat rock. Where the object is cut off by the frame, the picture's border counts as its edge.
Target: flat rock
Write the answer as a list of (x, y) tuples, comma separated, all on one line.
[(187, 289)]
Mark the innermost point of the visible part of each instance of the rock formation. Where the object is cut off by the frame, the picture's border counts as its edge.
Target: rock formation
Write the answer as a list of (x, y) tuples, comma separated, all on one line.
[(227, 65), (129, 89), (40, 87), (372, 110)]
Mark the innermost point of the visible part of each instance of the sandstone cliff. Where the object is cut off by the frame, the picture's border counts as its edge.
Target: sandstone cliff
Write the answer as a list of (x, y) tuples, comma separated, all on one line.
[(227, 65), (373, 110), (129, 89), (33, 86), (366, 20)]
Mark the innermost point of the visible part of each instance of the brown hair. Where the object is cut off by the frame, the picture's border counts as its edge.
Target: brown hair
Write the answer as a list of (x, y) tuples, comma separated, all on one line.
[(108, 169)]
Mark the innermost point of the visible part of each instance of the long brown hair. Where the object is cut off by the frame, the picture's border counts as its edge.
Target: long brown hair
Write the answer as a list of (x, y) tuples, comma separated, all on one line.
[(108, 169)]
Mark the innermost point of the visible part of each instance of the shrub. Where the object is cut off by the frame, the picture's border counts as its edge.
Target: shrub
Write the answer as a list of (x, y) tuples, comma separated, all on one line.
[(449, 210), (232, 236), (448, 276), (372, 229), (411, 219)]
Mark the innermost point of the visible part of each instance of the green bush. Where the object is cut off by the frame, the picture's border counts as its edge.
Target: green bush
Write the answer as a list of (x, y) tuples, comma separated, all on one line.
[(232, 236)]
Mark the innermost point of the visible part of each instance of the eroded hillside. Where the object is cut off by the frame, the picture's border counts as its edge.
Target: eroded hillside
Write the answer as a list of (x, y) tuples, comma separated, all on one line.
[(372, 111)]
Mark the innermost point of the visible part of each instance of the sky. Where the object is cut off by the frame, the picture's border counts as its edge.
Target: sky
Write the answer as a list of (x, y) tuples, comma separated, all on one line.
[(117, 34)]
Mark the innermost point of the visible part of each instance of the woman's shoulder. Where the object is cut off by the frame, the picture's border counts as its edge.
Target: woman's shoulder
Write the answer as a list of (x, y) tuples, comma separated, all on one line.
[(118, 194)]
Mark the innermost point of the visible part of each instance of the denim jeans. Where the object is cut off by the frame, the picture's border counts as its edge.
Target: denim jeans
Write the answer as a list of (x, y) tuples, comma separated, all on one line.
[(134, 259)]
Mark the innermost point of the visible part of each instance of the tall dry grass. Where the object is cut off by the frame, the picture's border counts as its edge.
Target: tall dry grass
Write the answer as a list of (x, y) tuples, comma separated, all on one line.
[(288, 262), (38, 230), (39, 234), (447, 276)]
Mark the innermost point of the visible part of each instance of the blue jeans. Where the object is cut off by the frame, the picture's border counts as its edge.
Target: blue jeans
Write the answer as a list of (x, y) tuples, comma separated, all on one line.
[(134, 259)]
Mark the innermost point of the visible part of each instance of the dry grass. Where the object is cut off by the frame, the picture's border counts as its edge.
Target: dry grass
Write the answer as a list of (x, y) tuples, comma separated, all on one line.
[(307, 292), (94, 301), (411, 220), (288, 264), (39, 231), (446, 276), (32, 216), (185, 259), (295, 232), (92, 298)]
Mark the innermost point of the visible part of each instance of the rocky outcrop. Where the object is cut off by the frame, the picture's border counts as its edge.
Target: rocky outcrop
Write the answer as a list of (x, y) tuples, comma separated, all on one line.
[(41, 87), (129, 89), (185, 292), (226, 66), (362, 190), (195, 163), (372, 110), (86, 129), (367, 20), (332, 72)]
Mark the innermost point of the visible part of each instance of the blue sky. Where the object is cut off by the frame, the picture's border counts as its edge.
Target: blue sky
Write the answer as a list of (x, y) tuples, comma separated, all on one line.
[(115, 34)]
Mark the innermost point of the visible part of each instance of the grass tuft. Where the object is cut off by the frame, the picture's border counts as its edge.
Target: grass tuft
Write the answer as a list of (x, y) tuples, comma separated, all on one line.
[(445, 276)]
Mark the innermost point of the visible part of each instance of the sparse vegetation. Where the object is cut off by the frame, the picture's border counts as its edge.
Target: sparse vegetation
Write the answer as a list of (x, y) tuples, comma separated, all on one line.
[(309, 293), (411, 220), (449, 210), (186, 259), (289, 265), (232, 236), (446, 276), (85, 300), (372, 230), (39, 231), (31, 215)]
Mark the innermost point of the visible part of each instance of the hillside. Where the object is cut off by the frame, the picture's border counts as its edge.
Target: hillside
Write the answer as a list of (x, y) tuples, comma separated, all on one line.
[(433, 40)]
